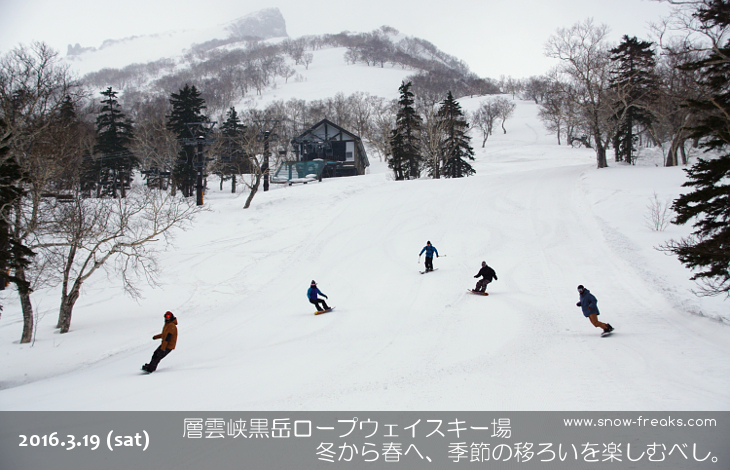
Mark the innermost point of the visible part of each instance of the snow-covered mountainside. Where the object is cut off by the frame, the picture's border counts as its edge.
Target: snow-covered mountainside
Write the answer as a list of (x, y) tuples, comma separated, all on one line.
[(119, 53), (251, 59)]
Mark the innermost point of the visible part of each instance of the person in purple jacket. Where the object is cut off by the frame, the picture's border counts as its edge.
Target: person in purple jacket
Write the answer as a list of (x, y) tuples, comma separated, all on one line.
[(313, 294)]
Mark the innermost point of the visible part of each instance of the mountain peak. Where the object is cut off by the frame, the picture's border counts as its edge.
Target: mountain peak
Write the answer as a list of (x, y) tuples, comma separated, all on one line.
[(263, 24)]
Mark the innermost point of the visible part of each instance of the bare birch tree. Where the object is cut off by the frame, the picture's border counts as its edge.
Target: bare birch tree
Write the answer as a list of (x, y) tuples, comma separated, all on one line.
[(483, 119), (505, 109), (33, 89), (382, 121), (121, 236), (584, 58), (433, 131)]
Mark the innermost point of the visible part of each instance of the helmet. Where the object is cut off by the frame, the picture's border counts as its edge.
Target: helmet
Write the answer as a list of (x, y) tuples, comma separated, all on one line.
[(581, 288), (314, 284), (484, 263), (169, 316)]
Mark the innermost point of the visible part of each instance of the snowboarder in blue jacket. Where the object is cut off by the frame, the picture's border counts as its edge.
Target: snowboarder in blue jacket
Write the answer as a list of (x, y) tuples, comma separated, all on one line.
[(430, 250), (589, 305), (312, 295)]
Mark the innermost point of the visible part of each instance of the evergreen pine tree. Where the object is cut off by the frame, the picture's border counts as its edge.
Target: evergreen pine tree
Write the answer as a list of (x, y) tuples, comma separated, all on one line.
[(707, 251), (78, 167), (230, 166), (232, 125), (457, 147), (406, 158), (634, 84), (13, 254), (115, 162), (187, 106)]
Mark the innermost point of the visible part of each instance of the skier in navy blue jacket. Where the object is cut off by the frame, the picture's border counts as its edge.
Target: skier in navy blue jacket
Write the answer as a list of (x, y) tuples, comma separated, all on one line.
[(312, 294), (430, 250), (589, 305)]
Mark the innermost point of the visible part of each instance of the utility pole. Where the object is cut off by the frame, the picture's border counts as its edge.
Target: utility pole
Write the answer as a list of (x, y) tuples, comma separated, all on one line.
[(265, 167), (200, 164), (200, 132)]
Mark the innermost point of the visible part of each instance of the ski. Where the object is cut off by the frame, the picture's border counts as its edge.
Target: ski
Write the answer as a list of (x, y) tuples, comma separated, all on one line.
[(424, 272)]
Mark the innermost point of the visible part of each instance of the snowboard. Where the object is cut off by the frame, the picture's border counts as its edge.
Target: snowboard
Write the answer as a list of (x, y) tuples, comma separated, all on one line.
[(318, 312), (424, 272), (477, 293)]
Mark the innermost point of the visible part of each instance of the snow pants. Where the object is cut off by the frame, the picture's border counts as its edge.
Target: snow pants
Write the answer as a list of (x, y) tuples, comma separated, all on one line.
[(157, 356), (482, 285), (316, 303), (429, 263), (593, 317)]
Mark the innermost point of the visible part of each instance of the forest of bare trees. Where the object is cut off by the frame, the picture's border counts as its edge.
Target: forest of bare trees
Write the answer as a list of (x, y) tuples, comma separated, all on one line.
[(56, 229), (627, 96)]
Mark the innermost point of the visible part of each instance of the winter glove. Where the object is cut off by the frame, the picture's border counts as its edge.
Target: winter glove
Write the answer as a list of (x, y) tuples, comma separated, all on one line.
[(495, 278), (578, 304), (476, 276)]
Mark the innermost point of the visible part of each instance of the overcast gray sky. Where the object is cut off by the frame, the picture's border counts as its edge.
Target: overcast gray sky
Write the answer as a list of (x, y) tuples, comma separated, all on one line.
[(494, 38)]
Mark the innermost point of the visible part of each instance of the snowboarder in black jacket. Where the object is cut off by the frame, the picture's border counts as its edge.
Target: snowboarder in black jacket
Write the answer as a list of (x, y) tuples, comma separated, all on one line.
[(486, 274)]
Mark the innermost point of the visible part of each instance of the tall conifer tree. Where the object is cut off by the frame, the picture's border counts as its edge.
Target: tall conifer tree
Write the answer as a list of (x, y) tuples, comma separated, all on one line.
[(72, 136), (187, 107), (13, 254), (457, 147), (232, 129), (114, 134), (634, 84), (406, 159), (707, 251)]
